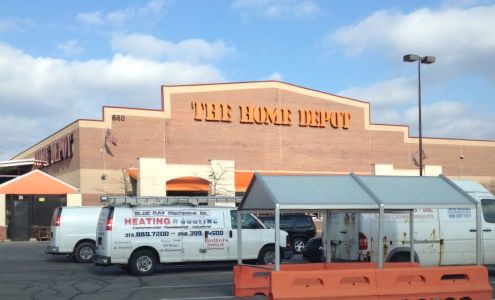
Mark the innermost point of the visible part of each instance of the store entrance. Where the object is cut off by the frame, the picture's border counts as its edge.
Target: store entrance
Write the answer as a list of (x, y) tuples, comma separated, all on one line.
[(29, 216), (18, 212)]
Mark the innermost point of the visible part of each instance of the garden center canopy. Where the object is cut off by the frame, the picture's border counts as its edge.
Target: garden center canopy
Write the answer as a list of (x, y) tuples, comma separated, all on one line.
[(355, 193), (301, 192)]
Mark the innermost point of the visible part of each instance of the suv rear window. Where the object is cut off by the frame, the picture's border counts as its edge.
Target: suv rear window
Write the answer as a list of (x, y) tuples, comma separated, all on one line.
[(288, 221), (303, 222), (285, 222)]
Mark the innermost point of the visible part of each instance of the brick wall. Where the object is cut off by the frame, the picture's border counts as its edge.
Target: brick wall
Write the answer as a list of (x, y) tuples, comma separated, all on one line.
[(3, 233), (260, 147)]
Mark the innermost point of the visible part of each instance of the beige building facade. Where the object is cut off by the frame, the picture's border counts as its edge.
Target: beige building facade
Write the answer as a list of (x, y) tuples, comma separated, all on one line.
[(209, 139)]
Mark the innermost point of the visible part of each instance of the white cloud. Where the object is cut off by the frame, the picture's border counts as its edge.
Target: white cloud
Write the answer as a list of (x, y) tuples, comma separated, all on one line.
[(191, 50), (120, 17), (13, 24), (71, 48), (462, 39), (458, 34), (91, 19), (390, 92), (461, 3), (451, 119), (277, 9), (275, 76), (39, 95), (394, 101), (386, 116)]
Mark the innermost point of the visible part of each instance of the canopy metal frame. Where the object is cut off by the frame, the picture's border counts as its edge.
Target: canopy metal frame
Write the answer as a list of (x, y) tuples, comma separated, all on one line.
[(380, 207)]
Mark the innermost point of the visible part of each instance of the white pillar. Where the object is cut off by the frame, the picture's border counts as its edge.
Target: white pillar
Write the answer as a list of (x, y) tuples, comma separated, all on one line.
[(74, 200), (2, 210), (152, 178)]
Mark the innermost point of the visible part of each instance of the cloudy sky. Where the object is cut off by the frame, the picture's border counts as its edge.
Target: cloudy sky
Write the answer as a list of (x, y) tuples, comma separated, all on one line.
[(63, 60)]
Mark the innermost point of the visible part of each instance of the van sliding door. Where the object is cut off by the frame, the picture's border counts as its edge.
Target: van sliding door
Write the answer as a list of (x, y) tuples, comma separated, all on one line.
[(458, 235)]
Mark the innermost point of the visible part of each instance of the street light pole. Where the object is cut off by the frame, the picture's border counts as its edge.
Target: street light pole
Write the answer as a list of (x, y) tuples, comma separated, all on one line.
[(420, 124), (420, 60)]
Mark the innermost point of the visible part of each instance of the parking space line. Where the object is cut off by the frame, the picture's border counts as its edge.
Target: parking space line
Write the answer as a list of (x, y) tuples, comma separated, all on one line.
[(182, 286)]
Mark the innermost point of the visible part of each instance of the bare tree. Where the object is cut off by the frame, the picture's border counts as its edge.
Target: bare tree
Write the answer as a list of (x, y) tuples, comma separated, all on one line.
[(117, 183), (218, 175)]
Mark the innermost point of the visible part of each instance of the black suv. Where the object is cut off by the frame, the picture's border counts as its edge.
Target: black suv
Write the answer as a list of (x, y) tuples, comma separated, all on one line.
[(299, 226)]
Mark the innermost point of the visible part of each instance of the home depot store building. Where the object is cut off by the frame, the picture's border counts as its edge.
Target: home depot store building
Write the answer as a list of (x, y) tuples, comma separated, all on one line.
[(213, 137)]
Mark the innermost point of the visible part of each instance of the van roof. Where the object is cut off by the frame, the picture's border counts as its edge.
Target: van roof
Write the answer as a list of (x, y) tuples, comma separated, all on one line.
[(471, 186)]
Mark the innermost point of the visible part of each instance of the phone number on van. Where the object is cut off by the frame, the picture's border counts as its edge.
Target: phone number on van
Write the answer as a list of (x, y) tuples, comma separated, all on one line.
[(148, 233)]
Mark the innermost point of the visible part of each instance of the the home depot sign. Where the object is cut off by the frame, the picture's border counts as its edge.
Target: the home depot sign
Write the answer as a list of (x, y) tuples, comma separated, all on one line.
[(59, 150), (248, 114)]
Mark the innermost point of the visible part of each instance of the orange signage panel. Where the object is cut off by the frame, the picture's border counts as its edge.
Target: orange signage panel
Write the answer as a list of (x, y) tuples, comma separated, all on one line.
[(36, 183)]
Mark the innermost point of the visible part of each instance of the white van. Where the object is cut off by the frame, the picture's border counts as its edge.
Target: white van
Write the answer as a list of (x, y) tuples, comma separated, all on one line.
[(441, 236), (73, 232), (143, 236)]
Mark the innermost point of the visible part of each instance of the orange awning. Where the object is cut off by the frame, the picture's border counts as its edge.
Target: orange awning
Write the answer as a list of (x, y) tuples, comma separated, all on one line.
[(133, 173), (190, 183), (195, 184), (36, 183), (242, 180)]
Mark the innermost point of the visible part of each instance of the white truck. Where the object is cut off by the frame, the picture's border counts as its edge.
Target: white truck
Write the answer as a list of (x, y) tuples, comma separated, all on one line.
[(140, 237), (441, 236), (73, 232)]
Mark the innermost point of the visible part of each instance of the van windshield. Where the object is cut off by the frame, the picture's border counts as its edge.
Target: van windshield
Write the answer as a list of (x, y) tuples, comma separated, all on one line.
[(248, 221), (488, 207)]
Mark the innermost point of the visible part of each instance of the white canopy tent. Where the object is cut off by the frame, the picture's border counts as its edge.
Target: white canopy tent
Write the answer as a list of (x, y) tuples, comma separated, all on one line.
[(355, 194)]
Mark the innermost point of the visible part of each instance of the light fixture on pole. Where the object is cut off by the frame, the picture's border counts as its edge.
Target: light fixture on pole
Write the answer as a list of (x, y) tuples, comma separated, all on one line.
[(420, 60)]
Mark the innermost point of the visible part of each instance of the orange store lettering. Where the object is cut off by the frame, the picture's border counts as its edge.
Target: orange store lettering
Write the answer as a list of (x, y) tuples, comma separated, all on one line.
[(249, 114)]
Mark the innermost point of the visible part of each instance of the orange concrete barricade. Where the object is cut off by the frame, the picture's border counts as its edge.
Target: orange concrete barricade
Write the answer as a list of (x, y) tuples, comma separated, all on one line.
[(459, 282), (323, 284), (251, 280), (396, 281)]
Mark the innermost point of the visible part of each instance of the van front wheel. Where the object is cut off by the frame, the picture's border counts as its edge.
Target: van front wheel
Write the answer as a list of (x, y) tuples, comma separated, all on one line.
[(85, 252), (267, 256), (143, 263)]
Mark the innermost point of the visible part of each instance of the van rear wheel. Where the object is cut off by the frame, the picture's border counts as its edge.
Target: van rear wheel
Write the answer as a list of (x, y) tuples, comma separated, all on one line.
[(85, 252), (401, 257), (143, 262)]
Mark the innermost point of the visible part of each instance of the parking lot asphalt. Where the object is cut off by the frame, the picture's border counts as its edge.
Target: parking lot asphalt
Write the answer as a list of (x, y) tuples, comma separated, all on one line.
[(26, 272)]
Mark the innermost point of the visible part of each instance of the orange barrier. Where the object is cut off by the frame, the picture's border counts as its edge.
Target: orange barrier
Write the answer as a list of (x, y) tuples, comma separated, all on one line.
[(254, 280), (460, 282), (251, 280), (323, 284), (404, 281)]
